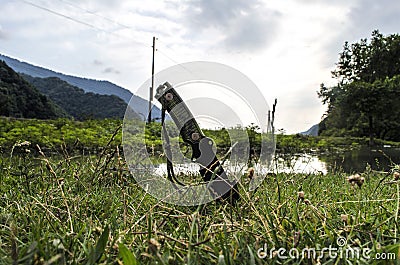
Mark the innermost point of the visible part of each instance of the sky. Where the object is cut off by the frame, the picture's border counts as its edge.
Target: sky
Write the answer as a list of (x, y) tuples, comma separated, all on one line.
[(287, 48)]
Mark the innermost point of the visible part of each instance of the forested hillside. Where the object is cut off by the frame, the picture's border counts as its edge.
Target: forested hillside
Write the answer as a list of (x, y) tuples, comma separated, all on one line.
[(88, 85), (20, 99), (101, 87), (76, 102), (365, 102)]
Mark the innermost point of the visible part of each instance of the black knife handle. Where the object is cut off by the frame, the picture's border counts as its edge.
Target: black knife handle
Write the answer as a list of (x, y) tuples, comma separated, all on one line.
[(202, 146), (180, 113)]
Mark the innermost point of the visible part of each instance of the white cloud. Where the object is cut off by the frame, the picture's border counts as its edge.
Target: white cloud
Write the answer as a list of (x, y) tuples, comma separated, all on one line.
[(111, 70), (97, 62), (239, 25), (369, 15), (3, 34)]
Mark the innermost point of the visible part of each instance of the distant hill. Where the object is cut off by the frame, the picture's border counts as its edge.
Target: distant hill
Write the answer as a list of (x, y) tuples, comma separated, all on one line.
[(313, 131), (20, 99), (138, 104), (78, 103)]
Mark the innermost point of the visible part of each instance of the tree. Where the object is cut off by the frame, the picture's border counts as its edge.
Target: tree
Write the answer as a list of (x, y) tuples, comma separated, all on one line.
[(19, 99), (76, 102), (369, 61), (364, 99)]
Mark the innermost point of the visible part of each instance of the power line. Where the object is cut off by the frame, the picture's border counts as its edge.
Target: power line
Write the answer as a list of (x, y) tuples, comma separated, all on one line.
[(174, 61), (83, 22), (46, 9), (61, 15), (95, 14)]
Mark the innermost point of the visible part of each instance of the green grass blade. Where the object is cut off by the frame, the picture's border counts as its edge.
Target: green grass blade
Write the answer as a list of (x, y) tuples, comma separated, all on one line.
[(127, 256), (252, 259), (97, 252)]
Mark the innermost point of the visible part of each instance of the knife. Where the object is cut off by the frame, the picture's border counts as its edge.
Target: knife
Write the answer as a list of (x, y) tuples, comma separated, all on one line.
[(211, 170)]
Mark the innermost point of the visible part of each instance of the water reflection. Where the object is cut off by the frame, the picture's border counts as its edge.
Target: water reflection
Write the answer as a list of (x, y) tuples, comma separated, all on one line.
[(357, 160), (349, 161), (299, 163)]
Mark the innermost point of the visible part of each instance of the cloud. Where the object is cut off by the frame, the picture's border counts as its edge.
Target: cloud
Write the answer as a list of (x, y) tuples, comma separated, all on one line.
[(370, 15), (318, 2), (361, 18), (252, 33), (97, 62), (3, 34), (293, 110), (111, 70), (243, 25), (107, 70), (95, 5)]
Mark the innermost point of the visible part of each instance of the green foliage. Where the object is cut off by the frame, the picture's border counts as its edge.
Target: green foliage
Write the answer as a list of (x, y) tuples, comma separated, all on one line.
[(93, 134), (96, 253), (90, 134), (296, 143), (152, 136), (369, 61), (365, 101), (89, 210), (76, 102), (127, 256), (19, 99)]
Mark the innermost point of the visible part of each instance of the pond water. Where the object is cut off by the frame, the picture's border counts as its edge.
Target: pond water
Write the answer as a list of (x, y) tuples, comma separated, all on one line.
[(382, 159), (350, 161)]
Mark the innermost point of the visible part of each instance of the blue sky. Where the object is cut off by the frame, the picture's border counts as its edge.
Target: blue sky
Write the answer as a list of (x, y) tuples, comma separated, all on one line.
[(287, 48)]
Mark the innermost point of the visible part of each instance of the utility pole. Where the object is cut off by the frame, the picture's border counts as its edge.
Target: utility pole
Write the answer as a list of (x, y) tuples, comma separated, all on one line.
[(152, 80)]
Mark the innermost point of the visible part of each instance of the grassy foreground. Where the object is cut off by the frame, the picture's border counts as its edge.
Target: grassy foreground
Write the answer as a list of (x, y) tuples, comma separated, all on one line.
[(85, 209)]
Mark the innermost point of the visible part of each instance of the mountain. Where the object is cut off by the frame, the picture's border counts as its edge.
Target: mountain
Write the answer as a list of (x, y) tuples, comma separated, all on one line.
[(313, 131), (138, 104), (20, 99), (78, 103)]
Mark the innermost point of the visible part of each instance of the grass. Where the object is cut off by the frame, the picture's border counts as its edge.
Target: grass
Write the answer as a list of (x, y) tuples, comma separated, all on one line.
[(87, 209)]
